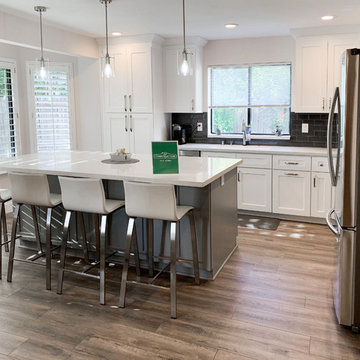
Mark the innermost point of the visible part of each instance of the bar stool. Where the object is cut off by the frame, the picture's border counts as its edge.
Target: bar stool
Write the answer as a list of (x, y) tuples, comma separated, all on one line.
[(33, 190), (88, 196), (4, 197), (157, 202)]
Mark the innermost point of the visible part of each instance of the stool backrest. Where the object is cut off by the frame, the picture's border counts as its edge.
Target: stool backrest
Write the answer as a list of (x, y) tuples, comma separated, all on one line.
[(32, 189), (152, 201), (85, 195)]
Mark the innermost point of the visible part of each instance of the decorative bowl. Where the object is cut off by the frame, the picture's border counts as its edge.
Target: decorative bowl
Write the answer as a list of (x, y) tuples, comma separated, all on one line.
[(120, 157)]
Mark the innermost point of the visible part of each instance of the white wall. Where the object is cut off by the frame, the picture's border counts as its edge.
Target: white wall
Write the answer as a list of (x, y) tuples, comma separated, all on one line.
[(24, 32), (247, 51), (86, 91)]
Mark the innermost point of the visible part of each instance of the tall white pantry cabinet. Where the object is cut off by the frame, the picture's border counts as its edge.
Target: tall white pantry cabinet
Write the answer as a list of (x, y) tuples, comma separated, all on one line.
[(133, 112)]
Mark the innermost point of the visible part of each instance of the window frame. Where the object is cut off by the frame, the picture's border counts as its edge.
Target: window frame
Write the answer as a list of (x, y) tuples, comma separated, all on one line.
[(10, 64), (240, 135), (31, 66)]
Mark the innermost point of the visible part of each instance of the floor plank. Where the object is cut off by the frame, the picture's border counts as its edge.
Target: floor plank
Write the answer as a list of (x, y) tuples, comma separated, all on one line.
[(272, 300)]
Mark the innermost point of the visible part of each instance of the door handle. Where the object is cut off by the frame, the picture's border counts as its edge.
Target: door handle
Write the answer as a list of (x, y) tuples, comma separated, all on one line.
[(125, 107), (323, 104), (291, 163), (130, 103), (292, 174), (314, 181), (238, 176), (126, 119), (336, 232), (131, 121)]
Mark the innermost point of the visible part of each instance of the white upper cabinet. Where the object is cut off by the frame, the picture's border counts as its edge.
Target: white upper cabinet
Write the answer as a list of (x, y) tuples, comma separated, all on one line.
[(183, 94), (130, 90), (318, 63)]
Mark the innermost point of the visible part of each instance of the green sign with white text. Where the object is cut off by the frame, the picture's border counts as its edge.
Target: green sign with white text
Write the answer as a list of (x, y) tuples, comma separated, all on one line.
[(165, 157)]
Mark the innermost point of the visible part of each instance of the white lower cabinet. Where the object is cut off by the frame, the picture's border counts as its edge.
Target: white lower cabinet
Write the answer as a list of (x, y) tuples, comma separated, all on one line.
[(254, 189), (132, 132), (320, 194), (291, 192)]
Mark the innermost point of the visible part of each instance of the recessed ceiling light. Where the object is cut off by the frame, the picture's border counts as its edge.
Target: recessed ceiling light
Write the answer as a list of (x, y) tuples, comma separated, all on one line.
[(327, 17), (116, 33), (231, 26)]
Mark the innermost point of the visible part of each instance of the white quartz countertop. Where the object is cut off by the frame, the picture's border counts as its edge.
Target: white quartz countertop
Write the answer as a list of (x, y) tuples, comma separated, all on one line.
[(257, 149), (193, 171)]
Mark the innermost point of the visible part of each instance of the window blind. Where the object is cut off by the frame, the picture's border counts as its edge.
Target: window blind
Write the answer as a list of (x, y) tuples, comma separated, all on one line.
[(52, 111), (7, 121)]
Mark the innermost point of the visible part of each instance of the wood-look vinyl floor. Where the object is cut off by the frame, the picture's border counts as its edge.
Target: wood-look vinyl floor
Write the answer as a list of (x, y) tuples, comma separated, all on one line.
[(272, 300)]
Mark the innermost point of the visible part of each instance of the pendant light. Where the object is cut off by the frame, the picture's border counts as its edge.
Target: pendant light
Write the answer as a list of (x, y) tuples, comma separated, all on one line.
[(107, 71), (43, 72), (185, 58)]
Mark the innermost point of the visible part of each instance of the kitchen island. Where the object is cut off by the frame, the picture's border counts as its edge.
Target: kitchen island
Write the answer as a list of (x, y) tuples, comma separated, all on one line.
[(208, 184)]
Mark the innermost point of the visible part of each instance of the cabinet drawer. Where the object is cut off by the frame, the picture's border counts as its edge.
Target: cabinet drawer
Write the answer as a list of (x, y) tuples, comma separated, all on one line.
[(319, 164), (283, 162), (217, 154), (255, 161)]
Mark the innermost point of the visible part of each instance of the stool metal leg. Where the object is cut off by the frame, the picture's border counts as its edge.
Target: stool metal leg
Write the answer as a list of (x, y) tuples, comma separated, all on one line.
[(1, 226), (173, 269), (136, 254), (36, 228), (124, 274), (48, 248), (163, 238), (102, 259), (97, 236), (150, 234), (83, 237), (63, 252), (4, 227), (12, 243), (194, 248)]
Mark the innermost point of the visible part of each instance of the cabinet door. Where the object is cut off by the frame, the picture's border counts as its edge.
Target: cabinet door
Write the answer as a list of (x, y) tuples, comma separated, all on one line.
[(311, 75), (116, 87), (140, 79), (119, 132), (179, 90), (336, 47), (141, 133), (254, 189), (291, 192), (320, 194)]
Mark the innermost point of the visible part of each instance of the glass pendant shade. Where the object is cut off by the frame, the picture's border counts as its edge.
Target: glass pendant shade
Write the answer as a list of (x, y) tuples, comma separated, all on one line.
[(184, 63), (42, 69), (108, 67)]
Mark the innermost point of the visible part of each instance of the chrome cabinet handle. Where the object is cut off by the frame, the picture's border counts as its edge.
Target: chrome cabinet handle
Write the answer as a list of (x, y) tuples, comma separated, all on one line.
[(192, 104), (314, 181), (126, 119), (291, 163), (130, 103), (291, 174), (323, 103), (125, 107), (131, 120), (330, 103), (238, 176)]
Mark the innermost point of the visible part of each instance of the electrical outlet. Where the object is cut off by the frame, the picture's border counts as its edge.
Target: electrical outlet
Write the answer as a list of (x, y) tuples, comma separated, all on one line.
[(304, 128), (199, 126)]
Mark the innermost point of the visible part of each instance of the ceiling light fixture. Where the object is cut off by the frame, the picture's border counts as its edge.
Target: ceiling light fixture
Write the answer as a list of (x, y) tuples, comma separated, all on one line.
[(43, 72), (231, 26), (107, 72), (116, 33), (185, 61), (327, 17)]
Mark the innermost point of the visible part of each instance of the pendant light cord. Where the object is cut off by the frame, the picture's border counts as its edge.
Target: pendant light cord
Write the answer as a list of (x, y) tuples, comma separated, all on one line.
[(41, 37), (184, 26), (106, 29)]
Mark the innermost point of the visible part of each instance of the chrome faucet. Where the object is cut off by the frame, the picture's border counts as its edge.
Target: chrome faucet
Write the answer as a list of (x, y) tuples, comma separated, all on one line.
[(244, 138)]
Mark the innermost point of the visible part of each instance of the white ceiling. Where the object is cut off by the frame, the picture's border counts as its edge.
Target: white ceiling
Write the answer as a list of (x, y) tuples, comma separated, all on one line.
[(205, 18)]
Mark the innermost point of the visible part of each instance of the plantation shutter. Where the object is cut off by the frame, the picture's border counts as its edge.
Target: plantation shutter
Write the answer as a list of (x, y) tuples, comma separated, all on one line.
[(7, 112), (52, 111)]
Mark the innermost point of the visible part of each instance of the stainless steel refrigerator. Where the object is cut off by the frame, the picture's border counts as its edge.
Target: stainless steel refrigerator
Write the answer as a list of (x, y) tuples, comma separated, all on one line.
[(344, 163)]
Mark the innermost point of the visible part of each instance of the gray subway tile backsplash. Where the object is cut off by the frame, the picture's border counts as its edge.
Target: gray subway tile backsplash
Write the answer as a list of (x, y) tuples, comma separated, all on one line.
[(316, 137)]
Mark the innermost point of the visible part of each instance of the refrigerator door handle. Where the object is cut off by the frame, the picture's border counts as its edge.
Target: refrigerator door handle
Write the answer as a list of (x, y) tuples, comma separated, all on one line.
[(336, 231), (334, 172)]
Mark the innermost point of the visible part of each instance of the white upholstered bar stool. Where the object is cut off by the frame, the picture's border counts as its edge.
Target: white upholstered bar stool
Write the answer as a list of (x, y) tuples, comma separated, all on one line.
[(33, 190), (87, 196), (5, 196), (157, 202)]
